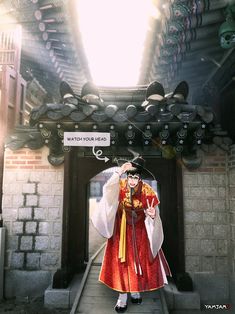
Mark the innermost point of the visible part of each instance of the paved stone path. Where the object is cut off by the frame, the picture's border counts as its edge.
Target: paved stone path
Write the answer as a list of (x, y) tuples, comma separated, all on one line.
[(99, 299), (96, 298)]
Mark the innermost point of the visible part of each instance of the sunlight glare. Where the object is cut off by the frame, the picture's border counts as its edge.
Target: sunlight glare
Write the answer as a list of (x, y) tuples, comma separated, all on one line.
[(113, 34)]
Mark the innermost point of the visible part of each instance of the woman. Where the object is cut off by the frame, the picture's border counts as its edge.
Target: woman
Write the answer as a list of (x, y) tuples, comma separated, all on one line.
[(128, 216)]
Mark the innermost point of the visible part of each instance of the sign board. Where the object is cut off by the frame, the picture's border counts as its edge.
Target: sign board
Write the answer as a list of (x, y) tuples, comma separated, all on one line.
[(89, 139)]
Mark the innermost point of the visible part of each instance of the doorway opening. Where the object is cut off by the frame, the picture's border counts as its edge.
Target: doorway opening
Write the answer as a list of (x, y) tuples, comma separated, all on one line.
[(79, 171), (94, 194)]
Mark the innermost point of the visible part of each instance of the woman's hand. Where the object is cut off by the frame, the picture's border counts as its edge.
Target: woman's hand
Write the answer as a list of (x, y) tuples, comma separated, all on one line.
[(151, 210)]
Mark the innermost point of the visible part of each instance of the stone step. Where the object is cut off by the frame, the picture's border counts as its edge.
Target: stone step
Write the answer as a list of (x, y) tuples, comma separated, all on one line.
[(181, 300)]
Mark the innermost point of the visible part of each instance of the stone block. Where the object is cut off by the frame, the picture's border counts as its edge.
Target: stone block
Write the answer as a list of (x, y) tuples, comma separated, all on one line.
[(203, 231), (26, 243), (30, 227), (55, 243), (17, 200), (212, 287), (208, 263), (232, 232), (222, 247), (7, 225), (49, 260), (219, 205), (9, 213), (41, 242), (43, 188), (198, 204), (57, 228), (209, 217), (231, 177), (187, 301), (31, 200), (40, 213), (25, 213), (192, 263), (60, 176), (9, 176), (197, 192), (190, 180), (180, 300), (204, 179), (58, 200), (33, 260), (22, 176), (49, 177), (221, 264), (222, 192), (220, 231), (232, 205), (218, 179), (193, 217), (36, 176), (210, 192), (19, 283), (208, 247), (17, 227), (7, 201), (29, 188), (54, 213), (17, 260), (44, 227), (46, 201), (192, 246), (189, 231), (12, 242), (12, 188), (232, 192), (57, 298), (223, 218), (58, 189)]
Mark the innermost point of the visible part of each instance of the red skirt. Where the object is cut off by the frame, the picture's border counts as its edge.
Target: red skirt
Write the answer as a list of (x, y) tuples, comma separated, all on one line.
[(122, 277)]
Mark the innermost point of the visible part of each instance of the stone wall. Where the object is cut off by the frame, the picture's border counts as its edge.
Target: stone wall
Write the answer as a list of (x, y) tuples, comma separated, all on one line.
[(206, 215), (231, 184), (32, 213), (208, 240)]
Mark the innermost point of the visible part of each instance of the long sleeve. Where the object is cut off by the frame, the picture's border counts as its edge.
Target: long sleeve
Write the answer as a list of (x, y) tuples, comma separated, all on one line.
[(104, 214), (155, 232), (153, 226)]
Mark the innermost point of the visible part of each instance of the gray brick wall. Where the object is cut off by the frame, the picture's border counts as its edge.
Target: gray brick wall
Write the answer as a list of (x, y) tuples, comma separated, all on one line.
[(32, 213), (206, 215), (231, 197)]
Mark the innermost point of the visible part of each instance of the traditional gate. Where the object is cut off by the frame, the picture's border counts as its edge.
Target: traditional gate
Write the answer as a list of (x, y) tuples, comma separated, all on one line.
[(165, 130)]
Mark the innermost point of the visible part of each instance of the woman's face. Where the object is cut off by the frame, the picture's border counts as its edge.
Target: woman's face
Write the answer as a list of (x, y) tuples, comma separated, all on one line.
[(133, 180)]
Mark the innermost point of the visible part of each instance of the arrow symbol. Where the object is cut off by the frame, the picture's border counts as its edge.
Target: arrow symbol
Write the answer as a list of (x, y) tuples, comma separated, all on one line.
[(98, 153)]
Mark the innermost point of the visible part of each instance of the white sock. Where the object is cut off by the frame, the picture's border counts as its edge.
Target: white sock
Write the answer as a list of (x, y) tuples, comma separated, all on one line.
[(123, 297), (135, 295)]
